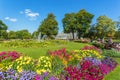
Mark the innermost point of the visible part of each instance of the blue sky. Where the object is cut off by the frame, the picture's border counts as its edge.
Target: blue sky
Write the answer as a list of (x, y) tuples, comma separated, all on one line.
[(28, 14)]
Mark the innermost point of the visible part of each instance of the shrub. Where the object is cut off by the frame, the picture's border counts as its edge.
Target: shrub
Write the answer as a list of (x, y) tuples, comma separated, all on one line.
[(91, 48), (90, 69), (88, 53), (111, 53), (60, 59), (43, 64), (23, 63), (12, 55), (86, 70)]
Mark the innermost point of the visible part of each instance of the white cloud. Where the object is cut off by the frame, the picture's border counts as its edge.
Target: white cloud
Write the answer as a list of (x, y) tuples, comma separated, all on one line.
[(29, 13), (11, 19), (6, 18), (33, 14)]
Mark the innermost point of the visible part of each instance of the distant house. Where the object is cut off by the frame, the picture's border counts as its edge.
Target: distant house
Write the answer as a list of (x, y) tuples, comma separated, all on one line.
[(65, 36)]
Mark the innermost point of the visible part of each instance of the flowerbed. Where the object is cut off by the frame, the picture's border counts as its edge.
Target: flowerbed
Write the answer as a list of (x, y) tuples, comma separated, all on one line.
[(84, 64), (30, 43)]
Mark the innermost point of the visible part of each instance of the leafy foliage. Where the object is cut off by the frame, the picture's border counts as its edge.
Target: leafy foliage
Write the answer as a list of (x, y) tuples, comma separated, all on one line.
[(3, 26), (49, 26), (3, 32), (111, 53), (69, 23), (105, 27), (23, 34), (84, 20)]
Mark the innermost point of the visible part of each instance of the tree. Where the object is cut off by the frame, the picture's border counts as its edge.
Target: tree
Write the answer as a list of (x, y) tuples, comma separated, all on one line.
[(12, 35), (3, 32), (3, 26), (84, 20), (49, 26), (69, 23), (92, 32), (105, 27), (23, 34), (117, 34)]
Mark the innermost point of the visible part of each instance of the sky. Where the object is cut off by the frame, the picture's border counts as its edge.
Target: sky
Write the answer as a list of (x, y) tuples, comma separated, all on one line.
[(28, 14)]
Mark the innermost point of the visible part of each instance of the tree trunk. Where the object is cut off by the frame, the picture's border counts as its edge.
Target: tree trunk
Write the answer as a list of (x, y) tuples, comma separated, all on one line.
[(73, 35)]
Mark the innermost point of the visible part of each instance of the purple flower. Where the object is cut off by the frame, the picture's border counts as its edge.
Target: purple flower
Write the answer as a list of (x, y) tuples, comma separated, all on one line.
[(27, 75), (1, 75), (93, 60), (45, 74), (53, 78)]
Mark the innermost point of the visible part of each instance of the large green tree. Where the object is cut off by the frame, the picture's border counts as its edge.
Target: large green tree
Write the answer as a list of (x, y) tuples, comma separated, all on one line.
[(49, 26), (23, 34), (3, 26), (92, 32), (84, 20), (105, 27), (69, 23), (3, 30), (12, 35)]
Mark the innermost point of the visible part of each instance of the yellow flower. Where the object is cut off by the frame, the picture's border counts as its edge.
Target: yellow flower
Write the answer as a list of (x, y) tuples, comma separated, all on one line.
[(1, 65), (76, 50), (28, 62), (43, 70), (65, 62), (38, 71), (20, 70)]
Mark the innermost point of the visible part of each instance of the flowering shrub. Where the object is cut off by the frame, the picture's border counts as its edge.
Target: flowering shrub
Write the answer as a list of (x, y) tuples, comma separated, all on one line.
[(12, 55), (25, 43), (11, 74), (93, 60), (62, 54), (27, 75), (88, 53), (60, 59), (88, 69), (8, 75), (40, 65), (91, 48), (23, 63), (43, 64), (116, 46), (5, 65), (111, 63), (45, 76)]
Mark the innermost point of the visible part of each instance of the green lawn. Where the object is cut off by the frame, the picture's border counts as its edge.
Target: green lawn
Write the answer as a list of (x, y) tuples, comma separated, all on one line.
[(36, 52)]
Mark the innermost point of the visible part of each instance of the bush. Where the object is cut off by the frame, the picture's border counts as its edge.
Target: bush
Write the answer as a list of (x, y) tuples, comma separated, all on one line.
[(12, 55), (90, 69), (111, 53)]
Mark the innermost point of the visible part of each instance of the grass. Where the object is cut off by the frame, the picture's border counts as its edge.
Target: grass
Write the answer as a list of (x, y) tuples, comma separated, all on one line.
[(36, 52)]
